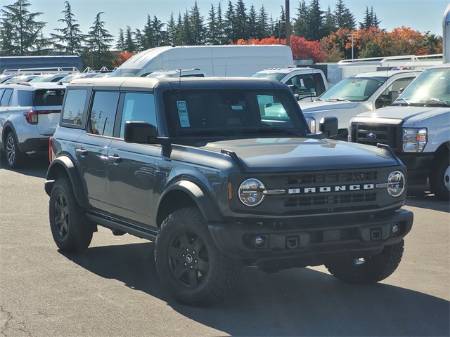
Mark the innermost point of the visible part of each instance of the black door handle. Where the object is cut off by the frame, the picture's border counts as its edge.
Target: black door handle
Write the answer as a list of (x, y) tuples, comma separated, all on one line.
[(115, 159), (82, 152)]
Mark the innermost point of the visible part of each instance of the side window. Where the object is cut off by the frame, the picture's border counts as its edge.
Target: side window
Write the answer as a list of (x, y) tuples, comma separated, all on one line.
[(1, 93), (271, 110), (74, 106), (304, 85), (320, 85), (6, 97), (392, 92), (139, 107), (103, 113)]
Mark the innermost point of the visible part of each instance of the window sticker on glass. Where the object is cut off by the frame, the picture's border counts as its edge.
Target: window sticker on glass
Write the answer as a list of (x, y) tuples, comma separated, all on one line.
[(237, 108), (183, 114)]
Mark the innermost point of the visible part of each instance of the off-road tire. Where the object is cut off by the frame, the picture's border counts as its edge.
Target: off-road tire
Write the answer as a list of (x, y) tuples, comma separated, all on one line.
[(78, 230), (13, 157), (438, 175), (374, 269), (222, 270)]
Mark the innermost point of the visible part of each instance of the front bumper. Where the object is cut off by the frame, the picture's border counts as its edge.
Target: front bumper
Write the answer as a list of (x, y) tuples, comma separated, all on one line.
[(310, 244), (418, 166)]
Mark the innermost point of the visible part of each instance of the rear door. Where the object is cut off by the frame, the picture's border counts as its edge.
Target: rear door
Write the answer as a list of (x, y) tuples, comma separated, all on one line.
[(92, 147), (135, 171), (47, 103)]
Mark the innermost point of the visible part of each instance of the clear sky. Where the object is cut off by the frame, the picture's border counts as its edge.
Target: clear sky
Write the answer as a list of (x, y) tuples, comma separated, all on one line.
[(422, 15)]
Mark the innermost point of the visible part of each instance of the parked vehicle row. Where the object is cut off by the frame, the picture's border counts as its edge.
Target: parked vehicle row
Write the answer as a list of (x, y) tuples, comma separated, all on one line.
[(245, 185), (29, 114), (417, 128)]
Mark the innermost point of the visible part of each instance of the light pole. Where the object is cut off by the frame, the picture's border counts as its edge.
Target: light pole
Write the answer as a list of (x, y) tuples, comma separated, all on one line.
[(288, 23)]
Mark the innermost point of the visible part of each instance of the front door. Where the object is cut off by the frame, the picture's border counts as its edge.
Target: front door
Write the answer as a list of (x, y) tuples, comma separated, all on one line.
[(92, 149), (134, 171)]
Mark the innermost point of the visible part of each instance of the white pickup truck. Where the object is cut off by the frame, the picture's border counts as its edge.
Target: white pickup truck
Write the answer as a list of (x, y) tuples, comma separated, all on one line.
[(305, 82), (417, 128), (354, 95)]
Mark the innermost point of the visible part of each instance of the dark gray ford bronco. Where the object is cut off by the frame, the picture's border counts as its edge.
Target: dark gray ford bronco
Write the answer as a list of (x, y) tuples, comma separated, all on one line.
[(221, 173)]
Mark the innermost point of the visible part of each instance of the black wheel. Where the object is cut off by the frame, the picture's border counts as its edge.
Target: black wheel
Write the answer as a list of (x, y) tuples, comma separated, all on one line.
[(368, 270), (189, 264), (13, 156), (440, 178), (71, 230)]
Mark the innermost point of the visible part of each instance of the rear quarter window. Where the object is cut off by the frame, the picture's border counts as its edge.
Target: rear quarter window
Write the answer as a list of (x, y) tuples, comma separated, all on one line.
[(48, 97), (72, 113)]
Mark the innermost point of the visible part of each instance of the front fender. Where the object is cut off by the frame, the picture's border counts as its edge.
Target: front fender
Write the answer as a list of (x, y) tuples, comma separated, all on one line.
[(65, 165), (202, 199)]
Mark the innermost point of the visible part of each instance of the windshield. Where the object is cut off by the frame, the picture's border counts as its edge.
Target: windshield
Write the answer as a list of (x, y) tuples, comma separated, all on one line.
[(431, 88), (238, 113), (354, 89), (270, 76)]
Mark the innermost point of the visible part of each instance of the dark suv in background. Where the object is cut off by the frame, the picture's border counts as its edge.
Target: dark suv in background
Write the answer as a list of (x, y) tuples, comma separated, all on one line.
[(221, 173)]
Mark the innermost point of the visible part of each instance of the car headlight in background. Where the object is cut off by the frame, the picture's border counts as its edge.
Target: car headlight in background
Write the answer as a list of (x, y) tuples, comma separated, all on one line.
[(251, 192), (312, 124), (414, 140), (396, 184)]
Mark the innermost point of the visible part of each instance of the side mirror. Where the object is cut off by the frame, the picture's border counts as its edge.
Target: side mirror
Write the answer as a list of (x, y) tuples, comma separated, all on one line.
[(141, 133), (329, 127)]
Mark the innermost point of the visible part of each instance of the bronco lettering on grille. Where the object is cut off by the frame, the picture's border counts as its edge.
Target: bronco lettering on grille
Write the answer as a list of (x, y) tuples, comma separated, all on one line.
[(331, 189)]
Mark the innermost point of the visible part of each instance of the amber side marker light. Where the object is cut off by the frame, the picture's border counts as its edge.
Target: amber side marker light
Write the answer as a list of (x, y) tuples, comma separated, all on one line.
[(230, 191)]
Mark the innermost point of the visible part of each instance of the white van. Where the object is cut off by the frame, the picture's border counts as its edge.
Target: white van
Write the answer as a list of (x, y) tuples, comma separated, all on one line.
[(224, 61)]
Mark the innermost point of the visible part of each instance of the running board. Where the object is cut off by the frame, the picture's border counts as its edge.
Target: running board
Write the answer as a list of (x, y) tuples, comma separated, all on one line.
[(116, 224)]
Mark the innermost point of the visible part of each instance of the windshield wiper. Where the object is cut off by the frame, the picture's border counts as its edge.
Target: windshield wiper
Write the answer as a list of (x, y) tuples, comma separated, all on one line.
[(401, 101), (434, 101), (337, 100), (270, 129)]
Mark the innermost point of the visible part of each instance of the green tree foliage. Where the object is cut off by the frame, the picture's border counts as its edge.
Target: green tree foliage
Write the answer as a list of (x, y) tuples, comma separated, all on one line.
[(344, 17), (314, 21), (121, 40), (370, 19), (196, 25), (329, 22), (262, 24), (21, 30), (129, 40), (68, 39), (99, 42), (301, 21)]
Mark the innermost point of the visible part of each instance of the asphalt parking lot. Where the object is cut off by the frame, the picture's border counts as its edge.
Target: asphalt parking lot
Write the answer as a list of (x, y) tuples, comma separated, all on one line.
[(113, 289)]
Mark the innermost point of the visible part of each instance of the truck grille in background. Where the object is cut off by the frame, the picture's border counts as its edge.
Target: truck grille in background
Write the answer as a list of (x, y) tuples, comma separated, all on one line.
[(372, 134)]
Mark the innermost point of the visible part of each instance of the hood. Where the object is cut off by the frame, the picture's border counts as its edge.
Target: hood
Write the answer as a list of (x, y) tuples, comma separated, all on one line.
[(302, 154), (404, 112), (324, 106)]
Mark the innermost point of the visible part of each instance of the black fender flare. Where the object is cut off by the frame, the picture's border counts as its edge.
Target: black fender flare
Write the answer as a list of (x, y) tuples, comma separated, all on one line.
[(67, 166), (207, 207)]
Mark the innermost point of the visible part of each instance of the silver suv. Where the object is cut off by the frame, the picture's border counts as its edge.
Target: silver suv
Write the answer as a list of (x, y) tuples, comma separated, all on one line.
[(29, 114)]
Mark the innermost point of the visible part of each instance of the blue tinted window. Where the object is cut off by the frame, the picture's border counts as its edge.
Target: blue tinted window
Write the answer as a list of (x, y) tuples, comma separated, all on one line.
[(74, 107), (103, 112), (138, 107)]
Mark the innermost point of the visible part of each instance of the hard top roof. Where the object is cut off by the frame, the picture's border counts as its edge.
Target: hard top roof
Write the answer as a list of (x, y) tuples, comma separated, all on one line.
[(288, 70), (387, 73), (32, 85), (181, 83)]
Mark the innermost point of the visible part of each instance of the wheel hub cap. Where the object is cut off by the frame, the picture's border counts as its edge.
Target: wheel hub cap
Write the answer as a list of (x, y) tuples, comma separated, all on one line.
[(447, 178), (188, 259), (10, 150)]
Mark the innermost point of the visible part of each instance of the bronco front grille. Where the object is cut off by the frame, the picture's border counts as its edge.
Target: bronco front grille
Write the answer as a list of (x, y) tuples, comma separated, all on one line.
[(317, 193), (372, 134)]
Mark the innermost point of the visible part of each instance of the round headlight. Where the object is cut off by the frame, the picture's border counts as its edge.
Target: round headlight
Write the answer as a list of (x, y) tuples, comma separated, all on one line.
[(396, 184), (251, 192)]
